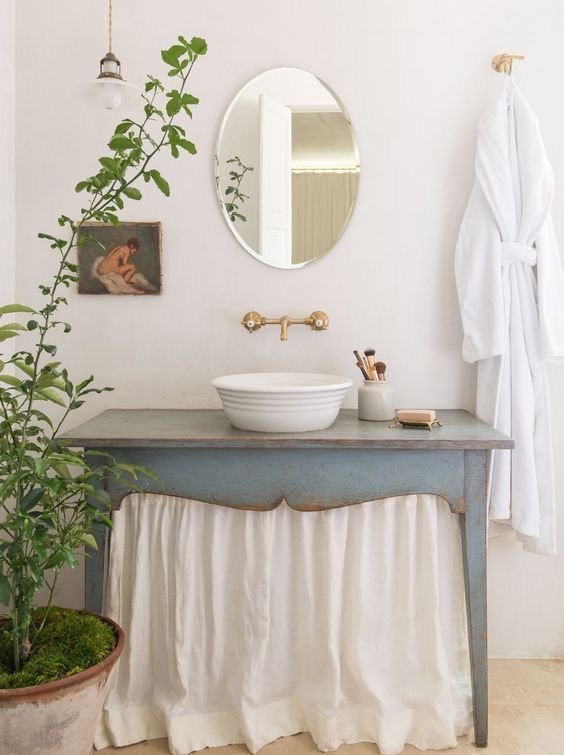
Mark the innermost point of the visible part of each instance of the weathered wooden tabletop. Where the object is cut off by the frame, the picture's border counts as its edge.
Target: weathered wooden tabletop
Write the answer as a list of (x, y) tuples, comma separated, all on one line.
[(210, 428)]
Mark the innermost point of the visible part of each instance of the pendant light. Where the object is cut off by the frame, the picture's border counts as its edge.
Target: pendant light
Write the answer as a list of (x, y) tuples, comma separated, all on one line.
[(110, 89)]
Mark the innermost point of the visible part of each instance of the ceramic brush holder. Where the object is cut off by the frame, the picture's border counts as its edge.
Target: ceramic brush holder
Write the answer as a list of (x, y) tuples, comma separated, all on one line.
[(376, 401)]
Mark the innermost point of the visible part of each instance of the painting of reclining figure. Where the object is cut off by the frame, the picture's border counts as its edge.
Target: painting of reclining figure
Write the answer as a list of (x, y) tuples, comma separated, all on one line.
[(119, 259)]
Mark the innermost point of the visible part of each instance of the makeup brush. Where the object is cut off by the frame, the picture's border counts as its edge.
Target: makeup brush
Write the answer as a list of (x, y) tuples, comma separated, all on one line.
[(369, 354), (381, 370), (360, 365)]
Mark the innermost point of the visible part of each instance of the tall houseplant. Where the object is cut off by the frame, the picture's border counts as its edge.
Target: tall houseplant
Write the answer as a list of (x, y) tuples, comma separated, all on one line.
[(49, 496)]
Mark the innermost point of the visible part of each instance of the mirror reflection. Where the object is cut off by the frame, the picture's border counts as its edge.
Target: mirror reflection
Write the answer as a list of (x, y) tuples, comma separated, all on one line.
[(286, 167)]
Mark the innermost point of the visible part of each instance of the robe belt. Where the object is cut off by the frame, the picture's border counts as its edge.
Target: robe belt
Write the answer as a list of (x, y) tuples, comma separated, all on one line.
[(514, 251)]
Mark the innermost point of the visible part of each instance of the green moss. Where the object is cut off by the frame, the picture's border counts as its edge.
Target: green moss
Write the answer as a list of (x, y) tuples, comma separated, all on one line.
[(69, 642)]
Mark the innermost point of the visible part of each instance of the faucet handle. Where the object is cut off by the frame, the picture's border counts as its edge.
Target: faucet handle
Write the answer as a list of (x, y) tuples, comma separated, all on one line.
[(318, 320), (252, 321)]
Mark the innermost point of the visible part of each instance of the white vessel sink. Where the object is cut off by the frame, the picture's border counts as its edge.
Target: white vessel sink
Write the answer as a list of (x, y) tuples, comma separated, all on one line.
[(282, 402)]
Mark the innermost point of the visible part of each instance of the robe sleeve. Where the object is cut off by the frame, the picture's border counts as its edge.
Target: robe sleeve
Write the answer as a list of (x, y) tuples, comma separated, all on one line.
[(550, 293), (479, 282)]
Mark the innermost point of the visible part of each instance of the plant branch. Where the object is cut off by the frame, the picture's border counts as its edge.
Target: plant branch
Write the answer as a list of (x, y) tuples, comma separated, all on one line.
[(47, 491)]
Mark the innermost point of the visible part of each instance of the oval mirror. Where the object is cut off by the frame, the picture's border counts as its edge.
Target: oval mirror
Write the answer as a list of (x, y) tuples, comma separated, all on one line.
[(286, 167)]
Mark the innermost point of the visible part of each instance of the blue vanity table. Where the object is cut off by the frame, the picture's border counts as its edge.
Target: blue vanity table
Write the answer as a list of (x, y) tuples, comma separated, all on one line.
[(197, 454)]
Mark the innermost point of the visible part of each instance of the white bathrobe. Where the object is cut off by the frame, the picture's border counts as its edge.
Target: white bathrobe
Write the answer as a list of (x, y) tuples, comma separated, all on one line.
[(511, 295)]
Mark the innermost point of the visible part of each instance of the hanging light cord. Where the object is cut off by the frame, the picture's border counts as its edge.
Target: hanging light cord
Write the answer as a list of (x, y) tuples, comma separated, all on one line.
[(110, 23)]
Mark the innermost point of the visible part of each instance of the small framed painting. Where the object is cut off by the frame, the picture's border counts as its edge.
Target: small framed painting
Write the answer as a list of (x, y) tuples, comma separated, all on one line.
[(119, 259)]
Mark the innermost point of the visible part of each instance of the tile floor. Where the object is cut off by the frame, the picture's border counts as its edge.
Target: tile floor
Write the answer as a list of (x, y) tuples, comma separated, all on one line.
[(526, 718)]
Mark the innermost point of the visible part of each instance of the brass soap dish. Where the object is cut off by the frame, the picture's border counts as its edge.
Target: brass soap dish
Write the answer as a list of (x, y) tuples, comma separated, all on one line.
[(423, 418)]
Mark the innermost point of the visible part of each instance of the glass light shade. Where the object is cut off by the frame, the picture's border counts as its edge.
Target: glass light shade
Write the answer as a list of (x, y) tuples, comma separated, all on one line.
[(111, 93), (109, 96)]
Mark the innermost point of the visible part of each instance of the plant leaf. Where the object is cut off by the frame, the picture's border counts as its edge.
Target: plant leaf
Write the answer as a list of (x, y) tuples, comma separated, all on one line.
[(131, 192), (199, 45), (31, 498), (176, 51), (88, 539), (170, 58), (120, 142), (24, 367), (9, 309), (12, 326), (188, 146), (48, 394), (11, 380), (160, 182), (5, 590), (123, 127)]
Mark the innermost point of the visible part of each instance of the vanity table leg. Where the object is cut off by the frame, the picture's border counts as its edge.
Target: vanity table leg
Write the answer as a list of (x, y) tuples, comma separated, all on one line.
[(95, 564), (94, 572), (473, 529)]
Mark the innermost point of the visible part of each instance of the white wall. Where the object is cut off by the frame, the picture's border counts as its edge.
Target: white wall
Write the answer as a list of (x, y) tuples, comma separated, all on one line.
[(7, 155), (415, 78)]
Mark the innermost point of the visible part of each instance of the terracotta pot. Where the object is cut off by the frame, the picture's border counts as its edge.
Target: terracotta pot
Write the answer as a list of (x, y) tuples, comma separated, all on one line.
[(57, 718)]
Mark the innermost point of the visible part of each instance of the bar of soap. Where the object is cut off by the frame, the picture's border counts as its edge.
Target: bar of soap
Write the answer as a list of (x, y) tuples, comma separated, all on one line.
[(416, 415)]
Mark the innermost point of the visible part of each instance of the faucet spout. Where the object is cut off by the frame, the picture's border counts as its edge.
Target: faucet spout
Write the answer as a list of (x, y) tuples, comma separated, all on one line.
[(284, 322)]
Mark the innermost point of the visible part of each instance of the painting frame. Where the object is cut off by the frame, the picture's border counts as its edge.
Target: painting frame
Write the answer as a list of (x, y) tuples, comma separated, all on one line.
[(117, 260)]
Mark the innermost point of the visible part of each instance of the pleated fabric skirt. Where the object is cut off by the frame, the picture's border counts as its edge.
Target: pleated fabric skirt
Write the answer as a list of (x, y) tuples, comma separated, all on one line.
[(247, 626)]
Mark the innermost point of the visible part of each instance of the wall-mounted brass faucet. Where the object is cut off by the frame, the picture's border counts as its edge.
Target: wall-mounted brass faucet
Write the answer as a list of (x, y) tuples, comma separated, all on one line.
[(254, 321)]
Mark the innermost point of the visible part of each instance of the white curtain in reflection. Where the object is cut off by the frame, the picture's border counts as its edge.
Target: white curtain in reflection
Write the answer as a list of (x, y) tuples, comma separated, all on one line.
[(246, 626), (321, 204)]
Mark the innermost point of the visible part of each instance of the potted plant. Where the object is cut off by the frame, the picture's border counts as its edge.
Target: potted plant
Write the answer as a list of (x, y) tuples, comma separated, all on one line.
[(54, 663)]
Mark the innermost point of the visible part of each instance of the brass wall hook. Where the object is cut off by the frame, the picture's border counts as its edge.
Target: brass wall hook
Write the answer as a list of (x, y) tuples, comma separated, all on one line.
[(503, 63)]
